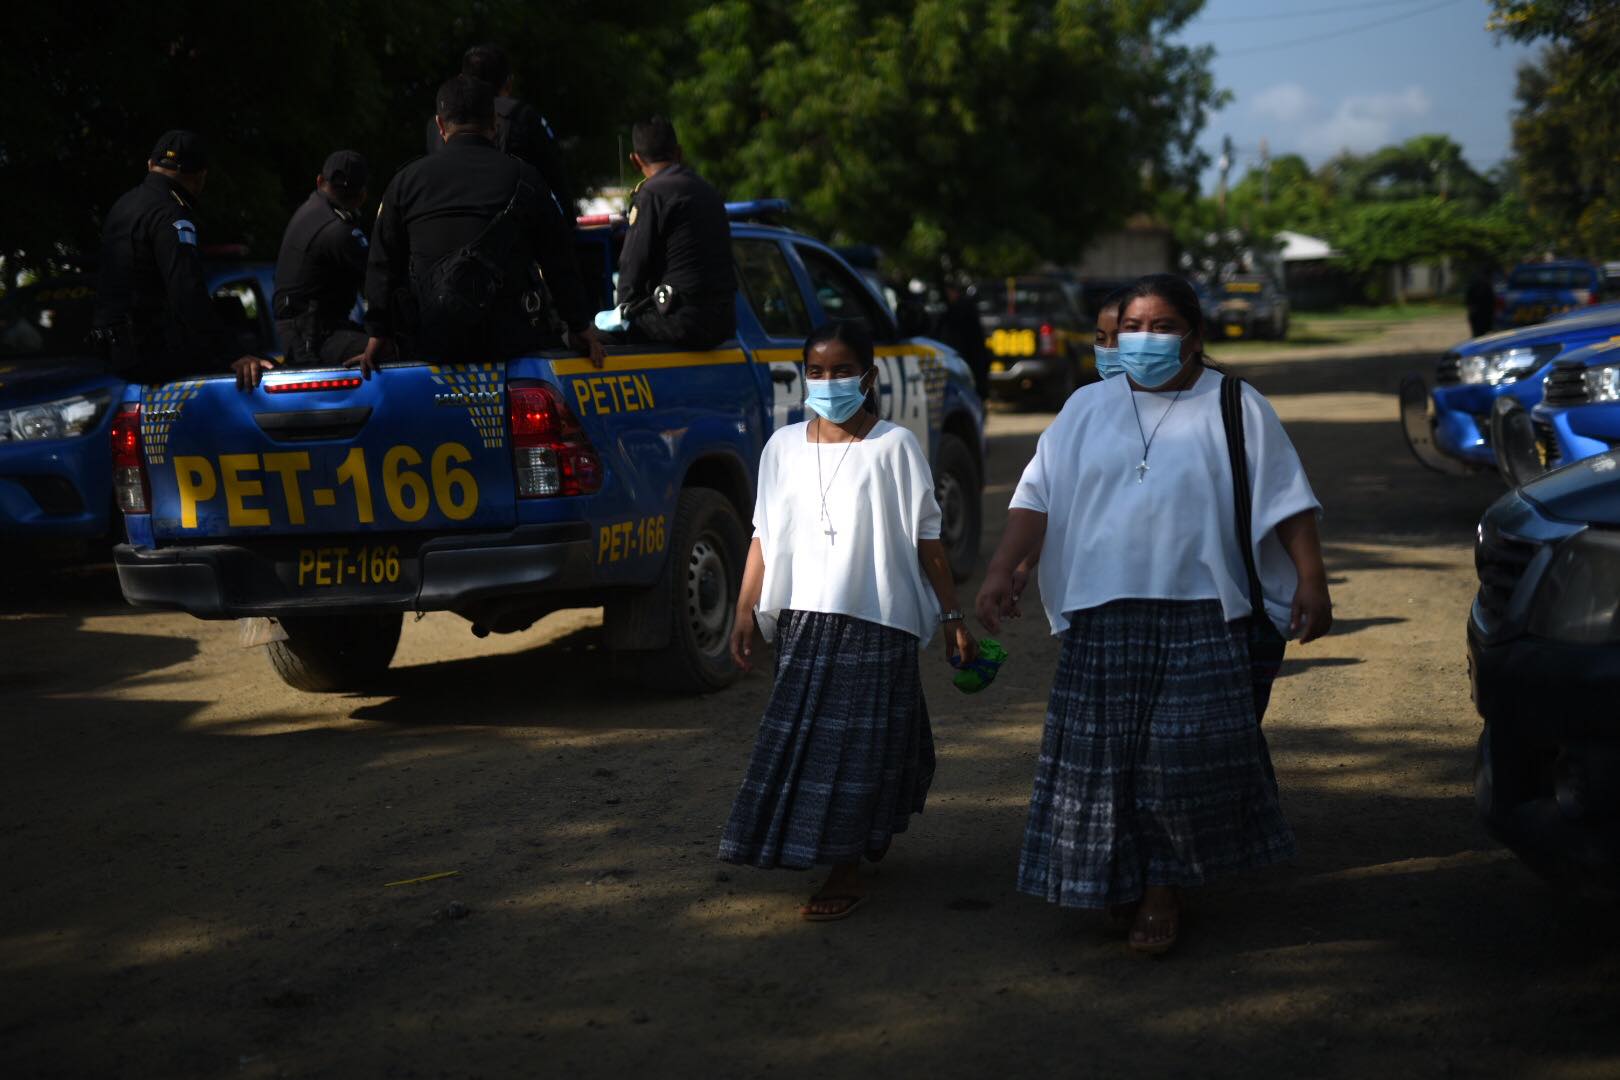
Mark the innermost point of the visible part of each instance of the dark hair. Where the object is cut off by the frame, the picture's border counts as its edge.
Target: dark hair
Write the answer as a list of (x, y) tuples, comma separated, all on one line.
[(1173, 290), (654, 140), (855, 337), (487, 63), (1115, 299), (466, 100)]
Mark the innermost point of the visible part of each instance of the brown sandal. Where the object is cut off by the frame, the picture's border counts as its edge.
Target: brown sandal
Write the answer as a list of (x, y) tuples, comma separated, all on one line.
[(850, 904), (1147, 921)]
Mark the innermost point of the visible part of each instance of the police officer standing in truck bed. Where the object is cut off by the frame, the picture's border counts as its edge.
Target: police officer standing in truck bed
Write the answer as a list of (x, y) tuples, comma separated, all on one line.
[(322, 266), (679, 238), (154, 320), (457, 234)]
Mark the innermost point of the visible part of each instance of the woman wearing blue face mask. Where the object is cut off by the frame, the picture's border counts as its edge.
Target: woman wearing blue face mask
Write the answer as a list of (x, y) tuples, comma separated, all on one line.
[(847, 575), (1171, 578)]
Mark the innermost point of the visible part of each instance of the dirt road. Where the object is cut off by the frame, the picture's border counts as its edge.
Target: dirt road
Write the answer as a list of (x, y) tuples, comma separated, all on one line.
[(196, 859)]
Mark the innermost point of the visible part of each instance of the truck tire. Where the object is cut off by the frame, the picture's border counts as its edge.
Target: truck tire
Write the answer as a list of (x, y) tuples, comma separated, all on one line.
[(707, 549), (323, 653), (956, 486)]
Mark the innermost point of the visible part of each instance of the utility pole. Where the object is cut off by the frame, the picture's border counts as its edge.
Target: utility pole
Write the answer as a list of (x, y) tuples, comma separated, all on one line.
[(1225, 167), (1265, 172)]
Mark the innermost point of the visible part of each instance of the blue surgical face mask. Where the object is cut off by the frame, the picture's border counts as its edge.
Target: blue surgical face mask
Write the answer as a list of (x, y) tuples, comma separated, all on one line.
[(1150, 359), (1108, 364), (835, 399)]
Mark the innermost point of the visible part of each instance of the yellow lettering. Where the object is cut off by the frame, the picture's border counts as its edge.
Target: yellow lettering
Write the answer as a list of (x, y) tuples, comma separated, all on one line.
[(604, 537), (582, 393), (194, 477), (288, 466), (237, 488), (339, 557), (617, 552), (323, 567), (599, 395), (627, 389), (398, 480), (644, 391), (306, 563), (613, 388), (353, 472)]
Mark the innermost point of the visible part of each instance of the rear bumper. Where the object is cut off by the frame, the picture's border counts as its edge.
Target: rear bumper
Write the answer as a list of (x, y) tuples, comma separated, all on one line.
[(1025, 375), (227, 581)]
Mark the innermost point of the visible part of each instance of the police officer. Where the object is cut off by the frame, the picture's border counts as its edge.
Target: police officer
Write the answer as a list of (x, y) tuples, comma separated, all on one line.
[(322, 266), (456, 236), (520, 130), (676, 279), (154, 320)]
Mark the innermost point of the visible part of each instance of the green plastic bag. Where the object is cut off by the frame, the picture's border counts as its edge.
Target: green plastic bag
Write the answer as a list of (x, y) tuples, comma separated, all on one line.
[(971, 678)]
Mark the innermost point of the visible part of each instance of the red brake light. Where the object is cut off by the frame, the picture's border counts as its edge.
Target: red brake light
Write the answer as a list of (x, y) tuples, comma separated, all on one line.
[(342, 382), (1048, 340), (550, 451), (129, 464)]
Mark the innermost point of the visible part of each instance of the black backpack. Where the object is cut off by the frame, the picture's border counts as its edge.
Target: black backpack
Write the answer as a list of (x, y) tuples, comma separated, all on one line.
[(460, 290)]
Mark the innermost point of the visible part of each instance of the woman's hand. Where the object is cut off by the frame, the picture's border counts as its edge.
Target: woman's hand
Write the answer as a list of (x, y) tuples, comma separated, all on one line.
[(960, 645), (1020, 582), (995, 600), (1313, 610), (744, 634)]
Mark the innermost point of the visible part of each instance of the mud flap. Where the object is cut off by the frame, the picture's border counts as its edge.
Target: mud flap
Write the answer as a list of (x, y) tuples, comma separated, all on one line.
[(1417, 421), (1513, 436), (259, 631)]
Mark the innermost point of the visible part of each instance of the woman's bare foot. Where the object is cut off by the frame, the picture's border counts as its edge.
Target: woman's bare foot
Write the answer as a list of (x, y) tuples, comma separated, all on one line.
[(1158, 921), (838, 897)]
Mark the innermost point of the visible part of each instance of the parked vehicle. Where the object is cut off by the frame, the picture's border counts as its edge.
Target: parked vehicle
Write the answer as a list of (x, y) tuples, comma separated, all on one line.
[(57, 399), (1578, 416), (333, 504), (1449, 429), (1544, 664), (1250, 306), (1537, 291), (1039, 338)]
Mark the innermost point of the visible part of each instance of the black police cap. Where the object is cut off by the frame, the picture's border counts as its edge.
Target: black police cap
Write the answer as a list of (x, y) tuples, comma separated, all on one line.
[(346, 169), (183, 151)]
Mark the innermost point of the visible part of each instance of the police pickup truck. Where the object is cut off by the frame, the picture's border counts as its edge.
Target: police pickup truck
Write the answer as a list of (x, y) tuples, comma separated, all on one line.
[(504, 491)]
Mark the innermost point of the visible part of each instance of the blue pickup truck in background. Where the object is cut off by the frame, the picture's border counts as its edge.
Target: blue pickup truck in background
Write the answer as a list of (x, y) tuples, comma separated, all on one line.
[(57, 400), (1535, 292), (504, 491), (1481, 382)]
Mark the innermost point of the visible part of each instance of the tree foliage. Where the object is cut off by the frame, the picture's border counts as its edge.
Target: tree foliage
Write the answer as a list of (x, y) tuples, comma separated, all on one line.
[(1566, 132), (983, 133)]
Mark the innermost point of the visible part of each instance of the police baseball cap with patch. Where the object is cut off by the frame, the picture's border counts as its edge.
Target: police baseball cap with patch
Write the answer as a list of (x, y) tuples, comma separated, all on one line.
[(346, 169), (183, 151)]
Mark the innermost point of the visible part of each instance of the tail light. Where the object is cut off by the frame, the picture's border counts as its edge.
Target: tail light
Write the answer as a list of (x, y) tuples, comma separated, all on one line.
[(550, 452), (129, 463), (1048, 340)]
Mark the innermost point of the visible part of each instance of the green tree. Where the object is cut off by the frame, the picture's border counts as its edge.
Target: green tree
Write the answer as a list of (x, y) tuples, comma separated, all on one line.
[(1567, 128), (982, 133)]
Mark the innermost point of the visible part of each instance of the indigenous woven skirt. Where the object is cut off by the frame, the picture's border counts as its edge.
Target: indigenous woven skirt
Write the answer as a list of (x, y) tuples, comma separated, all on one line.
[(1153, 770), (844, 755)]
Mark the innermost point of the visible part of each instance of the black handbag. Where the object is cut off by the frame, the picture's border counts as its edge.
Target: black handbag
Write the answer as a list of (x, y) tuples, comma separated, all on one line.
[(1266, 645)]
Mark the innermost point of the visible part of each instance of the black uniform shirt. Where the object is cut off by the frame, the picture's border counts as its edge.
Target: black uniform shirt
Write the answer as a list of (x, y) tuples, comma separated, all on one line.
[(152, 276), (438, 204), (679, 235), (323, 259), (521, 131)]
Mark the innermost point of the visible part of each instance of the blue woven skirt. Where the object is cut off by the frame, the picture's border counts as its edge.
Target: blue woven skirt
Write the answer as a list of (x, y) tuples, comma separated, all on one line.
[(844, 755), (1153, 770)]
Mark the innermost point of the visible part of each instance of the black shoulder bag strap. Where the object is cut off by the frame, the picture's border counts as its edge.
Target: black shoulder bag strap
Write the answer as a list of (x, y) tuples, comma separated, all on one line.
[(495, 222), (1266, 645)]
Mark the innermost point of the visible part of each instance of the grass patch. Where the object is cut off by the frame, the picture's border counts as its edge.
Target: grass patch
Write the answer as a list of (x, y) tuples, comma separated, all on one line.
[(1387, 312)]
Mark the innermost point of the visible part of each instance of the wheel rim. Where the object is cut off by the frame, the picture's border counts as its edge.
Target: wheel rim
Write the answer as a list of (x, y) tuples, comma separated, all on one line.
[(952, 510), (708, 596)]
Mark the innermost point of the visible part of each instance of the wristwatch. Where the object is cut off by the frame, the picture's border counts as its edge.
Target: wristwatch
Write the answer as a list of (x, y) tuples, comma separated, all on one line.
[(951, 616)]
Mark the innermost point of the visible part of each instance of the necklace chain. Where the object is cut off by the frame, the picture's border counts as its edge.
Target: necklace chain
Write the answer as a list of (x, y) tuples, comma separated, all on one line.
[(1147, 439), (826, 517)]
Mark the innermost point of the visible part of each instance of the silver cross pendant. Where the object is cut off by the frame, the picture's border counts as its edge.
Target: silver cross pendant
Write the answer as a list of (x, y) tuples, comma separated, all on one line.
[(1141, 471)]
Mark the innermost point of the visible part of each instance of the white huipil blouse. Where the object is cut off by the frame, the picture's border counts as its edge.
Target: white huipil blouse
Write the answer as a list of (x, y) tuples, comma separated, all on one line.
[(880, 503), (1171, 535)]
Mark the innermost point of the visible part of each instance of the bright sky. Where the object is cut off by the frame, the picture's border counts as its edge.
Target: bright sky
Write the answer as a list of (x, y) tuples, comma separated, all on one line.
[(1371, 73)]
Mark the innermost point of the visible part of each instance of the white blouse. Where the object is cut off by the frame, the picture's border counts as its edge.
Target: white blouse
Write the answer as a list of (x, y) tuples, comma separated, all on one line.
[(880, 503), (1171, 536)]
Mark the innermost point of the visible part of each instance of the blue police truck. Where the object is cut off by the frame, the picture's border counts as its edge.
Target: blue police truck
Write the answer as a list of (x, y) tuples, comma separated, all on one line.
[(503, 491)]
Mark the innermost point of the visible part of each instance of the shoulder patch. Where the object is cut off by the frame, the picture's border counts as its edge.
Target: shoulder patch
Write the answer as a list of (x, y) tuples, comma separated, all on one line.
[(633, 209), (359, 235), (187, 231)]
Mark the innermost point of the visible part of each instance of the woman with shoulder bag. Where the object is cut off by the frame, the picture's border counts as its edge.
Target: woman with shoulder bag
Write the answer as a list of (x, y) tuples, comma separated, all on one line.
[(1180, 545)]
